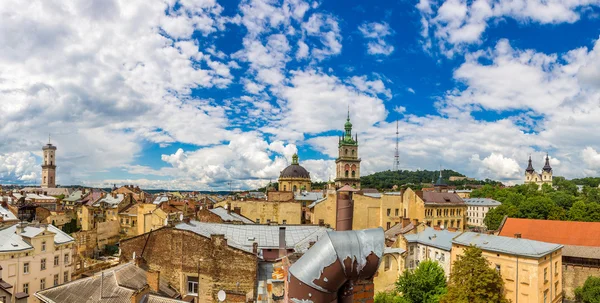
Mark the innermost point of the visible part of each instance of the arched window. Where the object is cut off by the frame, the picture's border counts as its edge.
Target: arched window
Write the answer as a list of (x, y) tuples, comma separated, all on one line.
[(346, 151), (294, 188), (285, 188), (346, 173), (353, 152), (353, 174)]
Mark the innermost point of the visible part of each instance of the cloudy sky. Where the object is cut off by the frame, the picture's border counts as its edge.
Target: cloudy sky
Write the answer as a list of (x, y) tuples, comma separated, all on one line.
[(195, 94)]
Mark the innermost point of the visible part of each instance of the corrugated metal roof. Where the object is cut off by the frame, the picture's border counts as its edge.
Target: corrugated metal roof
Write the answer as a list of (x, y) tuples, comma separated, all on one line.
[(232, 216), (508, 245), (110, 200), (481, 202), (441, 239), (267, 236), (372, 195), (308, 196)]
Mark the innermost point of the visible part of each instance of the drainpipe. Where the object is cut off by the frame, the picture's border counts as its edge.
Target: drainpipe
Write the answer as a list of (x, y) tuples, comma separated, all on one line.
[(326, 271)]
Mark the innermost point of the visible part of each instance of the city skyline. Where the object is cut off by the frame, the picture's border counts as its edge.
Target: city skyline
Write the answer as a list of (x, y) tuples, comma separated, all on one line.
[(197, 95)]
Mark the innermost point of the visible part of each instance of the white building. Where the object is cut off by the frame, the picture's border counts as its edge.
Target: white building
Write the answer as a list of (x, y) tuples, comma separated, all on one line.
[(430, 244), (35, 256), (477, 209)]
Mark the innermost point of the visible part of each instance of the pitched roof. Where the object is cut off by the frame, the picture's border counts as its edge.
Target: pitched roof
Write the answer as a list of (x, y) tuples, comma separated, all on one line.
[(74, 196), (308, 196), (10, 241), (230, 216), (508, 245), (110, 200), (7, 215), (430, 197), (481, 202), (561, 232), (267, 236), (441, 239), (117, 284), (398, 229)]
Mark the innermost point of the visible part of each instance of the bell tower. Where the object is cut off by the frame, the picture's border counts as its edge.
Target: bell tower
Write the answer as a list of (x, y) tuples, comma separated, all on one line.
[(49, 166), (348, 163)]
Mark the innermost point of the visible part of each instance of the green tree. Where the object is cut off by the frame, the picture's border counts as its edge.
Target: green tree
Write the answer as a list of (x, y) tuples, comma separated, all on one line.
[(426, 284), (495, 216), (590, 292), (389, 297), (473, 281), (578, 212)]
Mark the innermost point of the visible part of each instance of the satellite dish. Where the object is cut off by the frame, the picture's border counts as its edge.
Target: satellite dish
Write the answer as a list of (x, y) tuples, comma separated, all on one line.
[(221, 296)]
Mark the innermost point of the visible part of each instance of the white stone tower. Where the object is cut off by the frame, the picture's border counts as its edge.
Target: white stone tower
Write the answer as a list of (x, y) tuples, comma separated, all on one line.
[(49, 166)]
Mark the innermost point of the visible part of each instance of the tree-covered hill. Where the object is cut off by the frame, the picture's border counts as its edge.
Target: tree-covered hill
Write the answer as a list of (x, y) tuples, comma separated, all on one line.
[(416, 179)]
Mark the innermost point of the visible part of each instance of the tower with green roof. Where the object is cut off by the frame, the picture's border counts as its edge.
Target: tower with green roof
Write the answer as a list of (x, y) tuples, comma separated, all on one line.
[(348, 162)]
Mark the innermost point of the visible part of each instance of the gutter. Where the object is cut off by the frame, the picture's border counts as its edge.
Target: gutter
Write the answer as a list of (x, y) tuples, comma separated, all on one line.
[(336, 259)]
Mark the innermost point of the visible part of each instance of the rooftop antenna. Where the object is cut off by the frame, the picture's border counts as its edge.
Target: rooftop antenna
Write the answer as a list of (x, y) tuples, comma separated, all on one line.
[(48, 138), (397, 153)]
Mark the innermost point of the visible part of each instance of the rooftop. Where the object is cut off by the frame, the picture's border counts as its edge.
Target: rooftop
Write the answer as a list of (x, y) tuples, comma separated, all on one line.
[(110, 200), (7, 215), (267, 236), (430, 197), (114, 285), (508, 245), (308, 196), (230, 216), (481, 202), (561, 232), (10, 241), (441, 239)]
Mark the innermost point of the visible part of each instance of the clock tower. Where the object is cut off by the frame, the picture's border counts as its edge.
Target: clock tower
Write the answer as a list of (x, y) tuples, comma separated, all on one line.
[(348, 163)]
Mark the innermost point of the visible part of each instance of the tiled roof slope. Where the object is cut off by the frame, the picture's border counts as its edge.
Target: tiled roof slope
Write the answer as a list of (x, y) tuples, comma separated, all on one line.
[(561, 232), (508, 245), (442, 198)]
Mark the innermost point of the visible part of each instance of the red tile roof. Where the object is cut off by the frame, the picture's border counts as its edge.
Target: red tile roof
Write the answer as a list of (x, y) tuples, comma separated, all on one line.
[(559, 232)]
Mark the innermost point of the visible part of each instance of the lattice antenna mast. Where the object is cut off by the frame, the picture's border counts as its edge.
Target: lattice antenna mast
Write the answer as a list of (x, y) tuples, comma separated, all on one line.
[(397, 153)]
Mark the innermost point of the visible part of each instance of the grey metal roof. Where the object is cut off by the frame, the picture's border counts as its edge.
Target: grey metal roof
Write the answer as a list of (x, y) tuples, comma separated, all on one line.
[(10, 241), (116, 285), (441, 239), (509, 245), (390, 250), (308, 196), (7, 215), (110, 200), (232, 216), (316, 202), (297, 237), (373, 195), (589, 252), (393, 193), (481, 202), (74, 196), (160, 199)]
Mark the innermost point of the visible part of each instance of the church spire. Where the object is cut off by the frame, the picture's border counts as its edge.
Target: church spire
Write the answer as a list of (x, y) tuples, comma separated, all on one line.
[(547, 167), (530, 166)]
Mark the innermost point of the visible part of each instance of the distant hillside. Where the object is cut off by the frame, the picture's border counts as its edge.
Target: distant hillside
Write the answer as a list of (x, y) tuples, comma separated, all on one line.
[(387, 179)]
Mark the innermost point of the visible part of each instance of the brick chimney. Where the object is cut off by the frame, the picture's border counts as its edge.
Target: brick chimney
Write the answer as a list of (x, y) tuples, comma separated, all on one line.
[(153, 278), (228, 205), (405, 222), (255, 248), (419, 194), (518, 236)]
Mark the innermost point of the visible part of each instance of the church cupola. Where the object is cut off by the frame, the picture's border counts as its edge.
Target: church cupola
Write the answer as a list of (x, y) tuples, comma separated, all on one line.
[(530, 169), (547, 167)]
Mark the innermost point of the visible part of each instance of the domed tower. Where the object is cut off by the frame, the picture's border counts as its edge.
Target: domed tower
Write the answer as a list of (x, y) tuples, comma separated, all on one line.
[(49, 166), (348, 163), (294, 177), (547, 172), (530, 175)]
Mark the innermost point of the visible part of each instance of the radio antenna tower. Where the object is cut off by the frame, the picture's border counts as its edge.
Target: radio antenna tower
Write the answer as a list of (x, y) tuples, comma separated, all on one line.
[(397, 153)]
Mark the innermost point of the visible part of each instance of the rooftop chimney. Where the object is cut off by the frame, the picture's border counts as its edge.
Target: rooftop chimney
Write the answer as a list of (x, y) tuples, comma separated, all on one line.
[(518, 236), (228, 205), (255, 248), (282, 246), (153, 279)]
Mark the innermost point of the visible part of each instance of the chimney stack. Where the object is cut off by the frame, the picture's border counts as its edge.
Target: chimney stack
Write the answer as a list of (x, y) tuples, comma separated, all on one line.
[(282, 244), (518, 236), (153, 279), (228, 208), (255, 248)]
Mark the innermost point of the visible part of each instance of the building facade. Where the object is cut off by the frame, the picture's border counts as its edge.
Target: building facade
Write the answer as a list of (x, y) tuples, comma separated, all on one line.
[(348, 163), (429, 244), (531, 270), (294, 178), (35, 257), (532, 177), (49, 166), (477, 209), (279, 208), (443, 209)]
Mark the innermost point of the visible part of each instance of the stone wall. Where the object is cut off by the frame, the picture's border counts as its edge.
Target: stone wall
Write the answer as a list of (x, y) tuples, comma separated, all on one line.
[(575, 276), (178, 254)]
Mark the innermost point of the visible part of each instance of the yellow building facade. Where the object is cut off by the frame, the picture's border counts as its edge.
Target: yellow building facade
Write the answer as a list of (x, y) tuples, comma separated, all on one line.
[(530, 275), (370, 211), (277, 211), (443, 209)]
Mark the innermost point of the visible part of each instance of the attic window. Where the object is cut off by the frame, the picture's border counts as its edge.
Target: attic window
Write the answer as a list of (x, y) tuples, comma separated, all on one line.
[(447, 199)]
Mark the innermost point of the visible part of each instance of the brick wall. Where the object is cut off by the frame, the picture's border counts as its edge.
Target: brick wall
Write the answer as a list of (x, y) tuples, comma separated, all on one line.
[(205, 215), (177, 254), (364, 291)]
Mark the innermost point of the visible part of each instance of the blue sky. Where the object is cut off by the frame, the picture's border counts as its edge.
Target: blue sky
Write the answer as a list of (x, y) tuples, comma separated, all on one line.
[(195, 94)]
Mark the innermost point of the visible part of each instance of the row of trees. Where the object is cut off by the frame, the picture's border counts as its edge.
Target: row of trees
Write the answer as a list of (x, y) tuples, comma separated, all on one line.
[(526, 201), (386, 180), (472, 281)]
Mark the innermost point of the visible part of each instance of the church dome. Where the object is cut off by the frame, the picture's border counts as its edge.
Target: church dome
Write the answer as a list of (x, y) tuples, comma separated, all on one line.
[(294, 170)]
